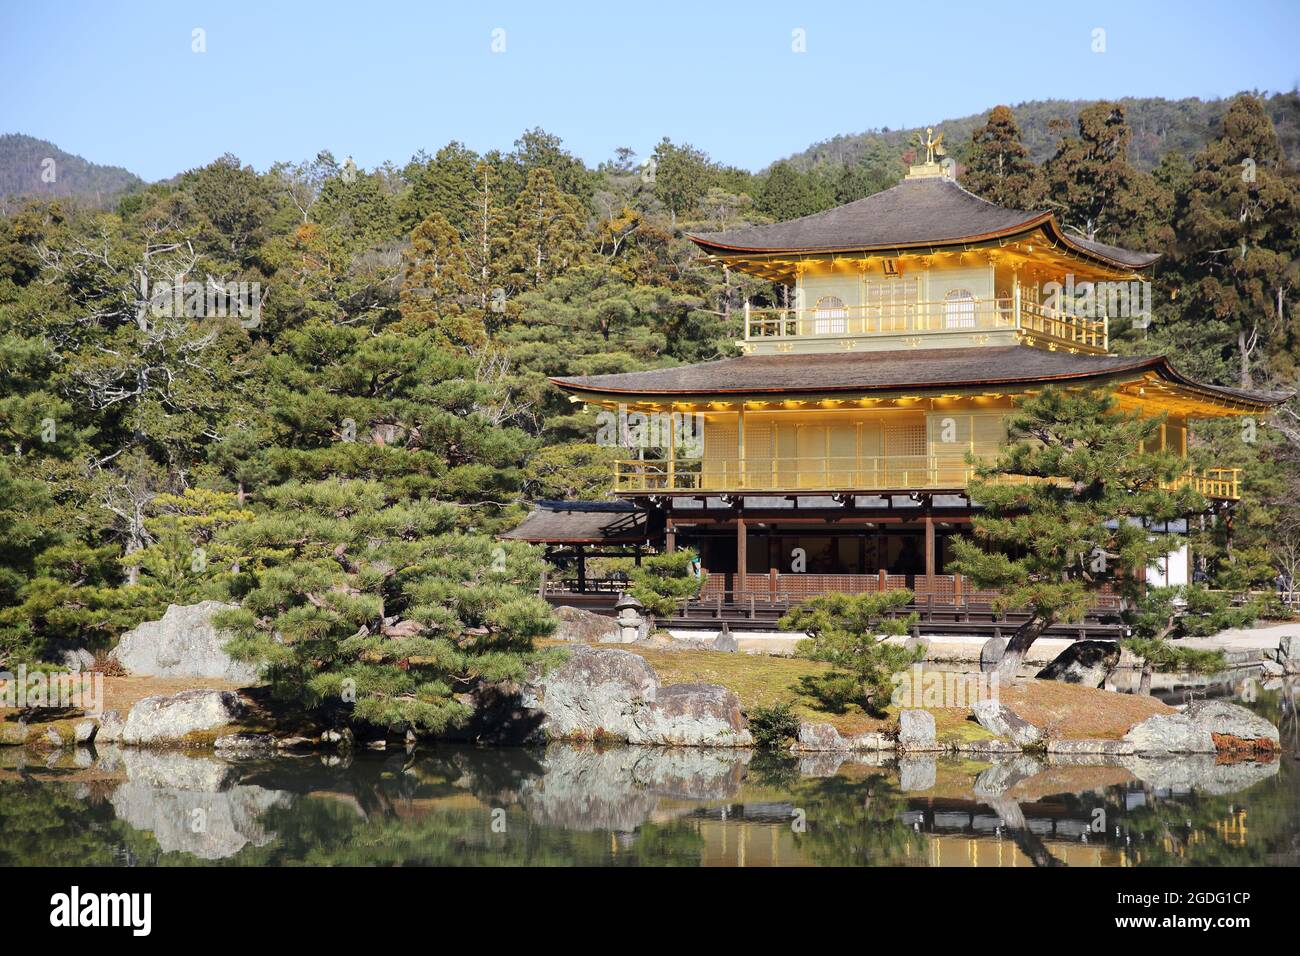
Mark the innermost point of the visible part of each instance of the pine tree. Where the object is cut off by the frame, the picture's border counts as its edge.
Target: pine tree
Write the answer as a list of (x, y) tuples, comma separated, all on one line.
[(850, 632), (998, 167), (1090, 178), (1064, 511), (371, 608), (548, 236), (682, 176), (436, 290), (444, 185), (1236, 220)]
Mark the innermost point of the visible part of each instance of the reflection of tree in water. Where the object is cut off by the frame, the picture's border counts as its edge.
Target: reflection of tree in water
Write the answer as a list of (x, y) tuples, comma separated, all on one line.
[(412, 811), (855, 822), (45, 824), (320, 833)]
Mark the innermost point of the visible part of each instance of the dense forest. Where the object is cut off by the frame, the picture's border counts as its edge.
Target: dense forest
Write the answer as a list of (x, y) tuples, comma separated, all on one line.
[(320, 390)]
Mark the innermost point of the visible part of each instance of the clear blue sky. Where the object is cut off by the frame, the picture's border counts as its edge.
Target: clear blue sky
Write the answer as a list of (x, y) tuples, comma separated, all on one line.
[(118, 82)]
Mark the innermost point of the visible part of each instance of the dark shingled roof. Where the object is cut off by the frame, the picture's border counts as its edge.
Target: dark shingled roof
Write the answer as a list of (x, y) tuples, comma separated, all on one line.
[(581, 522), (925, 369), (916, 212)]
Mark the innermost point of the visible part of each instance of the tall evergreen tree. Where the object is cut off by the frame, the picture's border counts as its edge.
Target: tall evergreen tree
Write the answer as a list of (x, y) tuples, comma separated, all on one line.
[(1237, 223), (547, 236), (998, 167), (1090, 179), (436, 290)]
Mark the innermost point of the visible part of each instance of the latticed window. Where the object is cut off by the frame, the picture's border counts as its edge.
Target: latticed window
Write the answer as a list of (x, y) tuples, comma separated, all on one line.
[(904, 438), (830, 316), (959, 310)]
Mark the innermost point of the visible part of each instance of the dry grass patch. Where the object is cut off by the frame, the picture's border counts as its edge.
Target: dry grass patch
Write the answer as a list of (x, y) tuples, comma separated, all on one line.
[(1065, 710), (1068, 711)]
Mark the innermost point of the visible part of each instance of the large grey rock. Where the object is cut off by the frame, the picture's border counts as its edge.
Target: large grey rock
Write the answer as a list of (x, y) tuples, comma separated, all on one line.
[(725, 642), (991, 654), (824, 738), (916, 731), (74, 657), (167, 720), (1070, 749), (1205, 726), (596, 694), (183, 643), (692, 715), (601, 693), (1288, 649), (1002, 721), (1225, 719), (585, 627), (1087, 663), (110, 728), (241, 745), (819, 738), (1170, 733)]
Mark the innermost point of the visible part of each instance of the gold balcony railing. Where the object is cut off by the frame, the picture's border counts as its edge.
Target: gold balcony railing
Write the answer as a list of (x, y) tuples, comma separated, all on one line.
[(923, 318), (1223, 484), (895, 473)]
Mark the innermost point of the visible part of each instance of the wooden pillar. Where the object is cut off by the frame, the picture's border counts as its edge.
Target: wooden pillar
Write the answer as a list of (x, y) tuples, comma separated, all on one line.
[(772, 584), (929, 545), (582, 569), (670, 537), (741, 556)]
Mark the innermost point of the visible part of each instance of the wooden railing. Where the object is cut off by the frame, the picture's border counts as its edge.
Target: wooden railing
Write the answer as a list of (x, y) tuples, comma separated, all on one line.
[(922, 318), (1223, 484), (783, 588), (896, 473)]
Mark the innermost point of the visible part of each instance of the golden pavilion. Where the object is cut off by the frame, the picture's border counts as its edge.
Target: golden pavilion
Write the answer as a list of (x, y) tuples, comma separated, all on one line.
[(834, 453)]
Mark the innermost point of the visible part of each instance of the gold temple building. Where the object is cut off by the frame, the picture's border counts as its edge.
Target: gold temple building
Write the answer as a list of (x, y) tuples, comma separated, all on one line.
[(920, 316)]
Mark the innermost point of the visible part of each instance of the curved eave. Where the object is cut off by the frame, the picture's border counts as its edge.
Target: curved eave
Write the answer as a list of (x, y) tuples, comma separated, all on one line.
[(1230, 399), (1046, 221)]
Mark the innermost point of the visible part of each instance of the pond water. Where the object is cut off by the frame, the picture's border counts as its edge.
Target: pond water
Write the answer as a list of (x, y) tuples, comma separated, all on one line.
[(627, 806)]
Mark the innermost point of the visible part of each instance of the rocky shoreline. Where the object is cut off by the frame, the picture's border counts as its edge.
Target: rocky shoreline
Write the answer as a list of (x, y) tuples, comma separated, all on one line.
[(608, 695), (598, 694)]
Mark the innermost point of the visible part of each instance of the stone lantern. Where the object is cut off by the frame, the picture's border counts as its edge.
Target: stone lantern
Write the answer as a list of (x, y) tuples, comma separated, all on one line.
[(630, 621)]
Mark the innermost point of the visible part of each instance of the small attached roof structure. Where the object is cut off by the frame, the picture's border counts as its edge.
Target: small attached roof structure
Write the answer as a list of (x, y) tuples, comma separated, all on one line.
[(582, 522), (897, 373), (918, 215)]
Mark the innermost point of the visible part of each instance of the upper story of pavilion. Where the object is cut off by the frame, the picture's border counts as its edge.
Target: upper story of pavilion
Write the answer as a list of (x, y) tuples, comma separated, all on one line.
[(928, 265)]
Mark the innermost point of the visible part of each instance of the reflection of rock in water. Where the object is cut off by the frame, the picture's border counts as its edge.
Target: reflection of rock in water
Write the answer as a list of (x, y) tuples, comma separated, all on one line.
[(192, 804), (828, 763), (1005, 774), (692, 773), (1199, 772), (917, 772), (618, 789)]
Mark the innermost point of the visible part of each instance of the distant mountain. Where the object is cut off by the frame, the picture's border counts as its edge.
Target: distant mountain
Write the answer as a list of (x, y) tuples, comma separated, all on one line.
[(34, 167), (1158, 125)]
